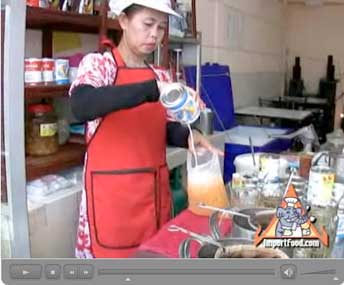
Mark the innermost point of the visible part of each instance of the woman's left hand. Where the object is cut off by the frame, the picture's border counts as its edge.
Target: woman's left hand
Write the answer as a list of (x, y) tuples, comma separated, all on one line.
[(202, 141)]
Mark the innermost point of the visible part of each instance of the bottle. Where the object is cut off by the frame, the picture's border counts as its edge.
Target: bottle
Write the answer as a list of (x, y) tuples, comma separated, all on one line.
[(338, 249)]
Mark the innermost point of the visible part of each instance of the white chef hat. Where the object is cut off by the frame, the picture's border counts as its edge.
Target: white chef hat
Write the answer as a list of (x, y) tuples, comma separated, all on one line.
[(117, 6), (291, 201)]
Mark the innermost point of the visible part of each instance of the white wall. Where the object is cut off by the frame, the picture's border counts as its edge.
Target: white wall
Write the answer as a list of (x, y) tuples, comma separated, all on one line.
[(248, 35), (313, 33)]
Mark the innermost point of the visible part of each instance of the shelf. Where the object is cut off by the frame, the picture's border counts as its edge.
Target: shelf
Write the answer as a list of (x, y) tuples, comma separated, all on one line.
[(69, 155), (46, 90), (180, 40), (41, 18)]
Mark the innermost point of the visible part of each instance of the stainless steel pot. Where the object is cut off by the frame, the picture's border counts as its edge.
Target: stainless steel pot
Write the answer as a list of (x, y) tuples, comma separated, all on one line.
[(207, 250), (205, 123), (230, 248), (241, 227)]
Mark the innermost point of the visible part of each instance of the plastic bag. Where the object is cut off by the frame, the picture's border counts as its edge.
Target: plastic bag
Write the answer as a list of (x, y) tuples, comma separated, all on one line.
[(39, 189), (205, 182)]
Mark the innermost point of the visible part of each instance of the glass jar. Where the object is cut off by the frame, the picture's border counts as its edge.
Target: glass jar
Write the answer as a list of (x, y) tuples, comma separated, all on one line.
[(245, 196), (271, 195), (326, 217), (41, 130), (63, 131)]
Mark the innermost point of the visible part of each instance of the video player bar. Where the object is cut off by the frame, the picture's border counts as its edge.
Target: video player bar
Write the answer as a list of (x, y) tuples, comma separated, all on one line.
[(172, 271), (224, 271)]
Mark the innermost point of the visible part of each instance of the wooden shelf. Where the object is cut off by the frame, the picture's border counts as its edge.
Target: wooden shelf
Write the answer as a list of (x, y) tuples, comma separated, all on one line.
[(43, 18), (69, 155), (182, 40), (46, 90)]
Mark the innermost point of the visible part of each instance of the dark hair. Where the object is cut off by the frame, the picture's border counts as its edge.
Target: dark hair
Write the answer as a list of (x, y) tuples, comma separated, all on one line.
[(133, 9)]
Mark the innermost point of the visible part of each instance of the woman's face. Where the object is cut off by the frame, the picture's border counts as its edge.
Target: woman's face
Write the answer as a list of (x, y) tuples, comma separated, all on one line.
[(144, 30)]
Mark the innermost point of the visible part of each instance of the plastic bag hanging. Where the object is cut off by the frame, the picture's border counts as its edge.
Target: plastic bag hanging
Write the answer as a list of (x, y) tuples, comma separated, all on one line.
[(205, 182)]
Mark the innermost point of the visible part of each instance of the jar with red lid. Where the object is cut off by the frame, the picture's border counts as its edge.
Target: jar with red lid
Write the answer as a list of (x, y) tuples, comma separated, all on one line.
[(41, 130)]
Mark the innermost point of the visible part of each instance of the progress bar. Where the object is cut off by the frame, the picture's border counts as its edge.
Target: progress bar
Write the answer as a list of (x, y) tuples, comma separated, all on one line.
[(325, 272), (270, 272)]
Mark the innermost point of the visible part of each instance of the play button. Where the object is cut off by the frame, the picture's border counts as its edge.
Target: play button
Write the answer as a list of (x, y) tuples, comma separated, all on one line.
[(26, 271)]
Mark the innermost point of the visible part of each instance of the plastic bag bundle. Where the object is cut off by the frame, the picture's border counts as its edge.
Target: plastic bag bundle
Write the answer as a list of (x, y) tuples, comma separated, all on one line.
[(205, 182)]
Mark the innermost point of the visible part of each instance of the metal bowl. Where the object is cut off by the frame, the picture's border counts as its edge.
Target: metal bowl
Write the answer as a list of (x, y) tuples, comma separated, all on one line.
[(241, 227), (207, 250)]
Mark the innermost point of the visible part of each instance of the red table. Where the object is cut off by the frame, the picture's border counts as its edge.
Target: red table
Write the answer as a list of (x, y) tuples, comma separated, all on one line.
[(166, 243)]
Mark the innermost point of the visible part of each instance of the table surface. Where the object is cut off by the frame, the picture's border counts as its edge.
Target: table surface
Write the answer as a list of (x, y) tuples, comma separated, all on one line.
[(276, 113), (301, 100)]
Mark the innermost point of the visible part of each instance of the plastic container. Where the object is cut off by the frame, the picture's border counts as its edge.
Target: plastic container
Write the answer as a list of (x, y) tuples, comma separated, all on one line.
[(216, 92), (41, 130), (48, 69), (246, 196), (338, 249), (271, 195), (238, 144), (180, 105), (61, 71), (205, 183), (33, 70)]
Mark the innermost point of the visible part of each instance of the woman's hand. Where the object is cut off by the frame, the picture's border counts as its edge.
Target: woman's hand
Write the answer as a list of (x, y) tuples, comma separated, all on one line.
[(201, 141)]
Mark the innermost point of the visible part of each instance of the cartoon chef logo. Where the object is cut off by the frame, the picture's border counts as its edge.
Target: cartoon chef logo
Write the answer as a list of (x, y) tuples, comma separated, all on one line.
[(291, 223)]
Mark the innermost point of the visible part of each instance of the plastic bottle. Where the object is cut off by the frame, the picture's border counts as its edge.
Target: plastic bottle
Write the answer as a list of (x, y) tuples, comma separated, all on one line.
[(338, 249)]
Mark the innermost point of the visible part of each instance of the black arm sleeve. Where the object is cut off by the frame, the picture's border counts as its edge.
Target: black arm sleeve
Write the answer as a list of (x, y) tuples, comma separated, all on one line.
[(177, 134), (89, 103)]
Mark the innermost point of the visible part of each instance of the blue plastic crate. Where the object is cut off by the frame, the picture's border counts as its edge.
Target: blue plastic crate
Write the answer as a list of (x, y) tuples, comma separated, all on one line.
[(216, 92)]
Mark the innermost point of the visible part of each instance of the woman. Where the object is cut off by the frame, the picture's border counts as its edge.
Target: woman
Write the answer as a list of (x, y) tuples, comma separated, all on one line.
[(126, 197)]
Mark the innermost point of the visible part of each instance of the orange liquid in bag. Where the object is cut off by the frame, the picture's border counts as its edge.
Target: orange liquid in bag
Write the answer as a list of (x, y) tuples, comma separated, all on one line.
[(211, 192)]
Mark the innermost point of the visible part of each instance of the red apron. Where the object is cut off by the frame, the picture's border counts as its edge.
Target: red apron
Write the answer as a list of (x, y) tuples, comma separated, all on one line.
[(127, 179)]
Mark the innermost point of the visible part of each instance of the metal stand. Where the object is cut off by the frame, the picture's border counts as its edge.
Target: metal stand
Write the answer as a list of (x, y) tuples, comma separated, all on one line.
[(14, 127)]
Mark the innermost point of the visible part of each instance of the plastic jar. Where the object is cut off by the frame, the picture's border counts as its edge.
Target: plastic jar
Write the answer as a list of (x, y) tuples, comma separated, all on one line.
[(245, 196), (271, 195), (41, 130)]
